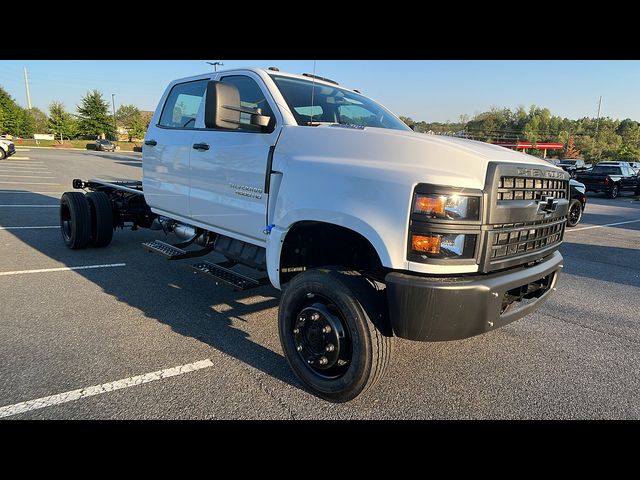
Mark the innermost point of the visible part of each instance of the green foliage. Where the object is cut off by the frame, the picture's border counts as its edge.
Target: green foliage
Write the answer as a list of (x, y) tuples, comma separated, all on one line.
[(593, 140), (93, 116), (39, 120), (133, 121), (14, 120), (61, 123)]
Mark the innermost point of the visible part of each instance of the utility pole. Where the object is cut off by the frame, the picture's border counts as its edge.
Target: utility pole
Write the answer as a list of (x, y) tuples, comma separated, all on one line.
[(598, 119), (115, 125), (215, 65), (26, 86)]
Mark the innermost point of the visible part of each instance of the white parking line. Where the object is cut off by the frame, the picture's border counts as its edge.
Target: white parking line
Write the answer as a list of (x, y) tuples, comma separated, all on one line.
[(21, 158), (31, 183), (62, 269), (73, 395), (29, 228), (22, 150), (24, 176), (15, 170), (600, 226), (29, 206), (11, 192)]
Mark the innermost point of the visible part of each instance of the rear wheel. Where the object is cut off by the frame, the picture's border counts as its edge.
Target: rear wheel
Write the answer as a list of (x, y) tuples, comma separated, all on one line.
[(2, 154), (75, 220), (333, 330), (613, 193), (575, 213), (101, 218)]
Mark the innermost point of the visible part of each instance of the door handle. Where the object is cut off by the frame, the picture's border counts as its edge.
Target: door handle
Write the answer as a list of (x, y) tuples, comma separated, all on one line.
[(201, 146), (151, 143)]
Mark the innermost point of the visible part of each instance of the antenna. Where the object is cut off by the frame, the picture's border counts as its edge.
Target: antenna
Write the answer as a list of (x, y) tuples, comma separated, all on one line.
[(313, 91)]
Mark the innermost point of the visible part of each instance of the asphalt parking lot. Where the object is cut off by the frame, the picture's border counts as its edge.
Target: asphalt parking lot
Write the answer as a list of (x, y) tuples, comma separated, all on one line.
[(137, 337)]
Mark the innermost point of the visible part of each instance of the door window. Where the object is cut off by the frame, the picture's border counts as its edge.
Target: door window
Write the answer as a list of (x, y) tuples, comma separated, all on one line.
[(251, 96), (182, 105)]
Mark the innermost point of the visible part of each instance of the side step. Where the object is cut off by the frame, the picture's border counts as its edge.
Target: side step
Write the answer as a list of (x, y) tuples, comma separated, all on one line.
[(227, 277), (171, 252)]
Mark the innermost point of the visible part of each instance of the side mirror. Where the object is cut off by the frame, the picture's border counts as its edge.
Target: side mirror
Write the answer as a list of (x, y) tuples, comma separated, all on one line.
[(413, 127), (222, 108)]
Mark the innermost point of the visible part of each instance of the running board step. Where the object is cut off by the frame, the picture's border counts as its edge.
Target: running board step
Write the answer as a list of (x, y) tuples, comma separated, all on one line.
[(227, 277), (171, 252)]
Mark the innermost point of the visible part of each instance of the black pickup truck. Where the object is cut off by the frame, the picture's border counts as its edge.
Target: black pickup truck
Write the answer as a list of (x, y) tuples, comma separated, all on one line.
[(611, 179), (573, 167)]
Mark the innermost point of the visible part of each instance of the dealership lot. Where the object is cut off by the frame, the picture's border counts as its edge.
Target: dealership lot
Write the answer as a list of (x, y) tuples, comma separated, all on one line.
[(120, 333)]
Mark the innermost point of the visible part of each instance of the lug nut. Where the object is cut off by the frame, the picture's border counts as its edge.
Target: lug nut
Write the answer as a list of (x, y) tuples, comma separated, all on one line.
[(310, 362), (495, 294), (315, 316), (299, 348), (296, 331), (490, 324), (330, 348), (324, 361), (326, 329)]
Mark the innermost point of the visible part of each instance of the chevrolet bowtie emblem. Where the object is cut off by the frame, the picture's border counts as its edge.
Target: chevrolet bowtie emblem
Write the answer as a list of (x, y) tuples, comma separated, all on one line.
[(547, 205)]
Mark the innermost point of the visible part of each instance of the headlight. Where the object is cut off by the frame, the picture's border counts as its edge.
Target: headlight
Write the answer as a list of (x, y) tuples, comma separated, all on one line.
[(448, 207), (443, 245)]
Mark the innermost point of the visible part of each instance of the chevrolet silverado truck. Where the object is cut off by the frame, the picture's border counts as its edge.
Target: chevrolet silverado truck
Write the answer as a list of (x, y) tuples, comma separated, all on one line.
[(369, 229)]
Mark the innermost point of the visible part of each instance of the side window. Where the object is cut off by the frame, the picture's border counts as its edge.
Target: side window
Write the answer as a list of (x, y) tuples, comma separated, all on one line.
[(251, 96), (182, 105)]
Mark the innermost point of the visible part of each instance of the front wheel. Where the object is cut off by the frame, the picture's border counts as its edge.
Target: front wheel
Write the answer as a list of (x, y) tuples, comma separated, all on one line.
[(613, 193), (2, 154), (333, 330), (575, 213)]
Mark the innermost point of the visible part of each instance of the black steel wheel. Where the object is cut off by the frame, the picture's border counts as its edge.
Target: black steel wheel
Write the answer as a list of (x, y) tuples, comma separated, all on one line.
[(101, 218), (75, 220), (575, 213), (334, 332), (613, 193)]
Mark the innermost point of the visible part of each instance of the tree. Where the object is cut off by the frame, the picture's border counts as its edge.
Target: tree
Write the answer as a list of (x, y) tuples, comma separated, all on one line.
[(61, 123), (628, 153), (571, 151), (14, 119), (93, 114), (39, 120)]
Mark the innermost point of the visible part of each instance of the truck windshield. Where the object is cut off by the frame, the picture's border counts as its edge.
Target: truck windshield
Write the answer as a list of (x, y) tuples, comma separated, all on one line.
[(314, 104), (605, 170)]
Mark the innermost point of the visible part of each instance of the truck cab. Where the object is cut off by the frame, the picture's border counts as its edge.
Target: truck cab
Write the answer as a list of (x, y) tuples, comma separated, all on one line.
[(370, 229)]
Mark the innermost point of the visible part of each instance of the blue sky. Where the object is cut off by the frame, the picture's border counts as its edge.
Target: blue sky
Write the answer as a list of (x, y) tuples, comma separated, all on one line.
[(422, 89)]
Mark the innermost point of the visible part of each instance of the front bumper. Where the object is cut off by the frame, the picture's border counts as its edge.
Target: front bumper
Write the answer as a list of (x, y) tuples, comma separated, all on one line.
[(439, 309), (11, 150)]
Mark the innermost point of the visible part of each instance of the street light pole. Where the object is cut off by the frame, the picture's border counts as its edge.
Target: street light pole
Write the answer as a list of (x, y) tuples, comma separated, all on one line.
[(115, 125)]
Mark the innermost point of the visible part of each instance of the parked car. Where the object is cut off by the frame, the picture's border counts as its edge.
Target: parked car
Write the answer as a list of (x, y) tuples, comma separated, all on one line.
[(572, 167), (635, 166), (578, 202), (7, 148), (611, 178), (105, 145)]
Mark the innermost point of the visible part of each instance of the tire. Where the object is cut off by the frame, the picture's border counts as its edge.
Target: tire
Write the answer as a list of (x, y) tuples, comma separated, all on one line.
[(613, 193), (3, 155), (361, 337), (575, 213), (75, 220), (101, 219)]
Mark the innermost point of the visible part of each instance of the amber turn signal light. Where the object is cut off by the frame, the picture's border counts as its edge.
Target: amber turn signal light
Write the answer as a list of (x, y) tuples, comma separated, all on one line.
[(426, 243), (430, 205)]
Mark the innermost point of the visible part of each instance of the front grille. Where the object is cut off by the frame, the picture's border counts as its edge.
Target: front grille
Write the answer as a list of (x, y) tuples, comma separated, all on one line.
[(531, 188), (511, 240)]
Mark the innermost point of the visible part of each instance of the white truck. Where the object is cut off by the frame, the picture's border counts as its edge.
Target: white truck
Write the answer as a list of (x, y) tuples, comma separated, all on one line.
[(369, 229)]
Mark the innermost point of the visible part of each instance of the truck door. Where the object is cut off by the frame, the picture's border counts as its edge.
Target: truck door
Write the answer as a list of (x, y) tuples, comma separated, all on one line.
[(228, 167), (168, 147)]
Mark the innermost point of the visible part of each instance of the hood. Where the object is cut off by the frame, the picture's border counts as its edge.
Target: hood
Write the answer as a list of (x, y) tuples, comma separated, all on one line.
[(405, 155)]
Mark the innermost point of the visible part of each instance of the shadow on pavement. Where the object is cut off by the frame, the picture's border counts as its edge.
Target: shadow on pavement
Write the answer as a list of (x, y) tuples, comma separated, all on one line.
[(152, 285)]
